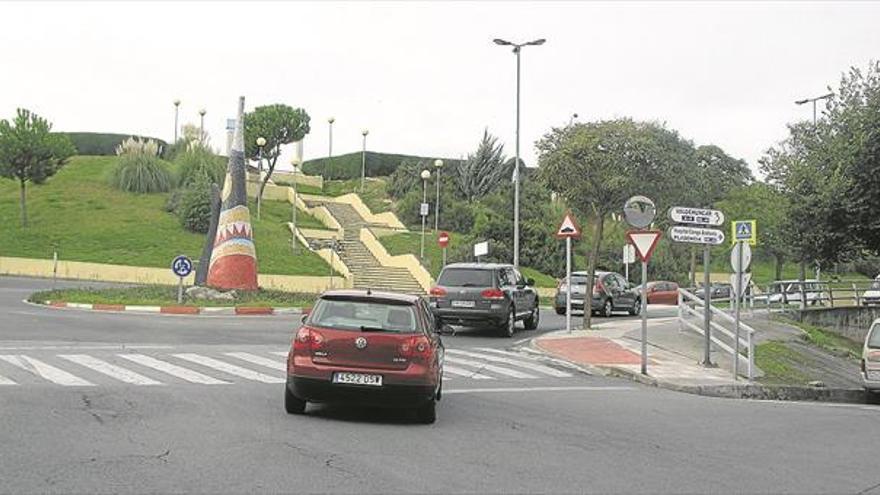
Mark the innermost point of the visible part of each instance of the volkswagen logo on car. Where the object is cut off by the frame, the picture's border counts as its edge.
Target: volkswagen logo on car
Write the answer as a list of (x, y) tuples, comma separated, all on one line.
[(360, 343)]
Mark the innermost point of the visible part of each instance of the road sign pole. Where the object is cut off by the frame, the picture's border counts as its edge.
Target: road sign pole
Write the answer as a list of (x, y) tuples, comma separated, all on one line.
[(180, 291), (737, 290), (707, 311), (444, 257), (644, 311), (568, 285)]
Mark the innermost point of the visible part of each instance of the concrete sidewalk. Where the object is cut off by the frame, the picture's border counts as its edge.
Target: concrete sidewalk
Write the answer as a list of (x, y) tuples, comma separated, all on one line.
[(614, 347)]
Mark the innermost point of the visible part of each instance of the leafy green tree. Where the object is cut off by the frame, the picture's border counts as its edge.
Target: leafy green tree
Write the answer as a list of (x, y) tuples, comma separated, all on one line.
[(596, 166), (30, 152), (278, 124), (483, 170)]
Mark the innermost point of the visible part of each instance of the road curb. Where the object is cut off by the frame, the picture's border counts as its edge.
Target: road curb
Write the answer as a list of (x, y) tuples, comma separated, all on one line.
[(729, 391), (175, 310)]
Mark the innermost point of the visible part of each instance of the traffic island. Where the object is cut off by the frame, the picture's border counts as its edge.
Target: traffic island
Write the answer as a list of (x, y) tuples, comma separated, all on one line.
[(611, 350), (163, 300)]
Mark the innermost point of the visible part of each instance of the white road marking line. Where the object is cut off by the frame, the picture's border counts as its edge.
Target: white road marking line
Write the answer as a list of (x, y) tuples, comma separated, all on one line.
[(520, 363), (6, 381), (280, 353), (536, 389), (119, 347), (452, 370), (489, 367), (46, 371), (172, 369), (269, 363), (229, 368), (113, 371)]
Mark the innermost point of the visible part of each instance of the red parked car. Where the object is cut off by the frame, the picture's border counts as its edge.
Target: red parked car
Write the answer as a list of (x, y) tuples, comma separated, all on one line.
[(370, 348), (662, 293)]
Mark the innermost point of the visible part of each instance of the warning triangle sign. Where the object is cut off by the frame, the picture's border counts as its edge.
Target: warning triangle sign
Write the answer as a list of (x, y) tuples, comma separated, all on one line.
[(645, 241), (568, 228)]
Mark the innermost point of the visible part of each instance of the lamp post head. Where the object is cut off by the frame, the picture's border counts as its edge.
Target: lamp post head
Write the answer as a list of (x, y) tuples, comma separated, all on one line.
[(499, 41), (536, 42), (365, 132), (176, 102), (202, 112), (261, 141), (801, 102), (426, 174), (331, 120), (438, 163), (295, 162)]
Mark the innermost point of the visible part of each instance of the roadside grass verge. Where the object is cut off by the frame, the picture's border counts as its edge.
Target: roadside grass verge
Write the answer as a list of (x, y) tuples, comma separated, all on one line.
[(833, 343), (161, 295), (780, 364)]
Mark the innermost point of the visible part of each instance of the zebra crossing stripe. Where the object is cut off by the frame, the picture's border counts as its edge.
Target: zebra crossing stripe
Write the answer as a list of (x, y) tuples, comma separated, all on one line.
[(476, 375), (113, 371), (172, 369), (489, 367), (515, 362), (6, 381), (229, 368), (280, 353), (269, 363), (46, 371)]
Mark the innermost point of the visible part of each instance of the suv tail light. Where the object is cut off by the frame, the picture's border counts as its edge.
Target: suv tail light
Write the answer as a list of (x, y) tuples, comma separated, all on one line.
[(307, 339), (416, 347), (492, 294), (438, 291)]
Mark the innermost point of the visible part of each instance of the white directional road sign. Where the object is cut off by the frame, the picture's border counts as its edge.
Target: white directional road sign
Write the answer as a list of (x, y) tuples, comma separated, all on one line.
[(424, 209), (746, 257), (481, 248), (696, 235), (696, 216), (629, 253)]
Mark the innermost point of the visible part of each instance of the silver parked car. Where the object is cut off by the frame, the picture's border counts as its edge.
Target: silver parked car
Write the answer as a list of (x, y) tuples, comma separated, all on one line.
[(871, 362)]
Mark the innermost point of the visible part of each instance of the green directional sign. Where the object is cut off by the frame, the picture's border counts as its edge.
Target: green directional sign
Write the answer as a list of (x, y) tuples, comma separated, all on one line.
[(745, 230)]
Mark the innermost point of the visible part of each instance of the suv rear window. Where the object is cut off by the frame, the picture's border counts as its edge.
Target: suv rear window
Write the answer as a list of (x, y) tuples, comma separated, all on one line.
[(874, 338), (466, 277), (347, 314)]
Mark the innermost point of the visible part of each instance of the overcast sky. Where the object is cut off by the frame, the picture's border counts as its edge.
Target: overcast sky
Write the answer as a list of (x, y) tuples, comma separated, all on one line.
[(425, 78)]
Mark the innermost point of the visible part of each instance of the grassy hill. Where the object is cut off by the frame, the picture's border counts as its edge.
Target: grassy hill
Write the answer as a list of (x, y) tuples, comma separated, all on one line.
[(86, 220)]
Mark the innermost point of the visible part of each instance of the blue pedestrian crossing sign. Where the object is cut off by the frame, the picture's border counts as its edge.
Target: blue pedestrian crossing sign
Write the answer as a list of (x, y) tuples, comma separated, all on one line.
[(745, 230), (182, 266)]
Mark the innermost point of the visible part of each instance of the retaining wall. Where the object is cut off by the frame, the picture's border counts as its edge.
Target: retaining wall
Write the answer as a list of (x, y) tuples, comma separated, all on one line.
[(850, 322)]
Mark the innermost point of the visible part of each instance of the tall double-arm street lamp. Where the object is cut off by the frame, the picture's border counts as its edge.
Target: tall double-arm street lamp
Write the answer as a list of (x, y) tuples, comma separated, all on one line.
[(330, 122), (517, 48), (364, 159), (176, 109), (813, 101), (426, 174), (296, 162), (261, 142), (438, 164), (202, 113)]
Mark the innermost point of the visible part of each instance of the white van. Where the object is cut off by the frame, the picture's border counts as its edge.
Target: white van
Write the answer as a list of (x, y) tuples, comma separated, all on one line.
[(871, 361), (871, 297)]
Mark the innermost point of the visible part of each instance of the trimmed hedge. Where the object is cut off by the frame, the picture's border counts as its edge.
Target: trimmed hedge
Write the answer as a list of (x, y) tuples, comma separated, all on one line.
[(348, 166), (102, 144)]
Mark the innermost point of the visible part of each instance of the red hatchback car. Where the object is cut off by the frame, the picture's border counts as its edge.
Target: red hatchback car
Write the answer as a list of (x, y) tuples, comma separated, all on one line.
[(370, 348)]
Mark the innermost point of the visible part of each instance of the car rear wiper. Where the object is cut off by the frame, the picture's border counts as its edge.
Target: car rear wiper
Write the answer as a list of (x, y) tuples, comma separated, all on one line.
[(371, 329), (468, 284)]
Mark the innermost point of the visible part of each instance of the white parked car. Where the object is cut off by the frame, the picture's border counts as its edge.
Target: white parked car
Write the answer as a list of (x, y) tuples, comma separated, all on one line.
[(789, 291), (871, 297), (871, 362)]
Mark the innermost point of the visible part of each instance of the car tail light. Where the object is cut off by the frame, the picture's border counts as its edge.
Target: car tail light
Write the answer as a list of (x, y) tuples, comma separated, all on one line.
[(416, 347), (438, 291), (307, 339), (874, 356), (598, 287), (493, 294)]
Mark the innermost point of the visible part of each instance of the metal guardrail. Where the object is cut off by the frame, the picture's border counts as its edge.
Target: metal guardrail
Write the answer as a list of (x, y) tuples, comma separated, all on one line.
[(780, 296), (691, 305)]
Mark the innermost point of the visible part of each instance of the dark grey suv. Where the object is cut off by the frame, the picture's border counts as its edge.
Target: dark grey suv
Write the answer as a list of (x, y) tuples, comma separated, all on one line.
[(610, 293), (480, 294)]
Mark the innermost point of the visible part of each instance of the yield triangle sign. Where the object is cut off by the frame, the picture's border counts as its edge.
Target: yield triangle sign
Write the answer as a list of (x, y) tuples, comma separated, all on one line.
[(645, 241), (568, 227)]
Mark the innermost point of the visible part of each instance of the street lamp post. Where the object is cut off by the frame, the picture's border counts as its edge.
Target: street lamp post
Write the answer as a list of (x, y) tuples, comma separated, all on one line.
[(426, 174), (364, 159), (296, 161), (261, 141), (517, 48), (438, 164), (176, 108), (202, 113), (330, 122), (813, 101)]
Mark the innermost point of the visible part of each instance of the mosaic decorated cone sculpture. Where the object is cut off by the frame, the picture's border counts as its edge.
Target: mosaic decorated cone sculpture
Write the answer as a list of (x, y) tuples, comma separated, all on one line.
[(234, 259)]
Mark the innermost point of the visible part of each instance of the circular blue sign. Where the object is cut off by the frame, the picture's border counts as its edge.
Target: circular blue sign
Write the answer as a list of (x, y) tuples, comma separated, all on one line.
[(182, 266)]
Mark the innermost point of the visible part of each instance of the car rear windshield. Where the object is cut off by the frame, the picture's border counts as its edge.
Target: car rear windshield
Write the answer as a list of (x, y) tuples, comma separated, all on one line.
[(348, 314), (874, 338), (579, 279), (466, 277)]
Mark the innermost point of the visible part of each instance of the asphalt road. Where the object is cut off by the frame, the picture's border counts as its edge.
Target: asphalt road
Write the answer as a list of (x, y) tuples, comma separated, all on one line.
[(96, 402)]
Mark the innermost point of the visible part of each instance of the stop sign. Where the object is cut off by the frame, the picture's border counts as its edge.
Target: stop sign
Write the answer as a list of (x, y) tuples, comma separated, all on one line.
[(443, 239)]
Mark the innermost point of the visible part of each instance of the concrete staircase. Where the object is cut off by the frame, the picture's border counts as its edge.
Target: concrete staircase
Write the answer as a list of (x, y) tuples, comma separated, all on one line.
[(366, 270)]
